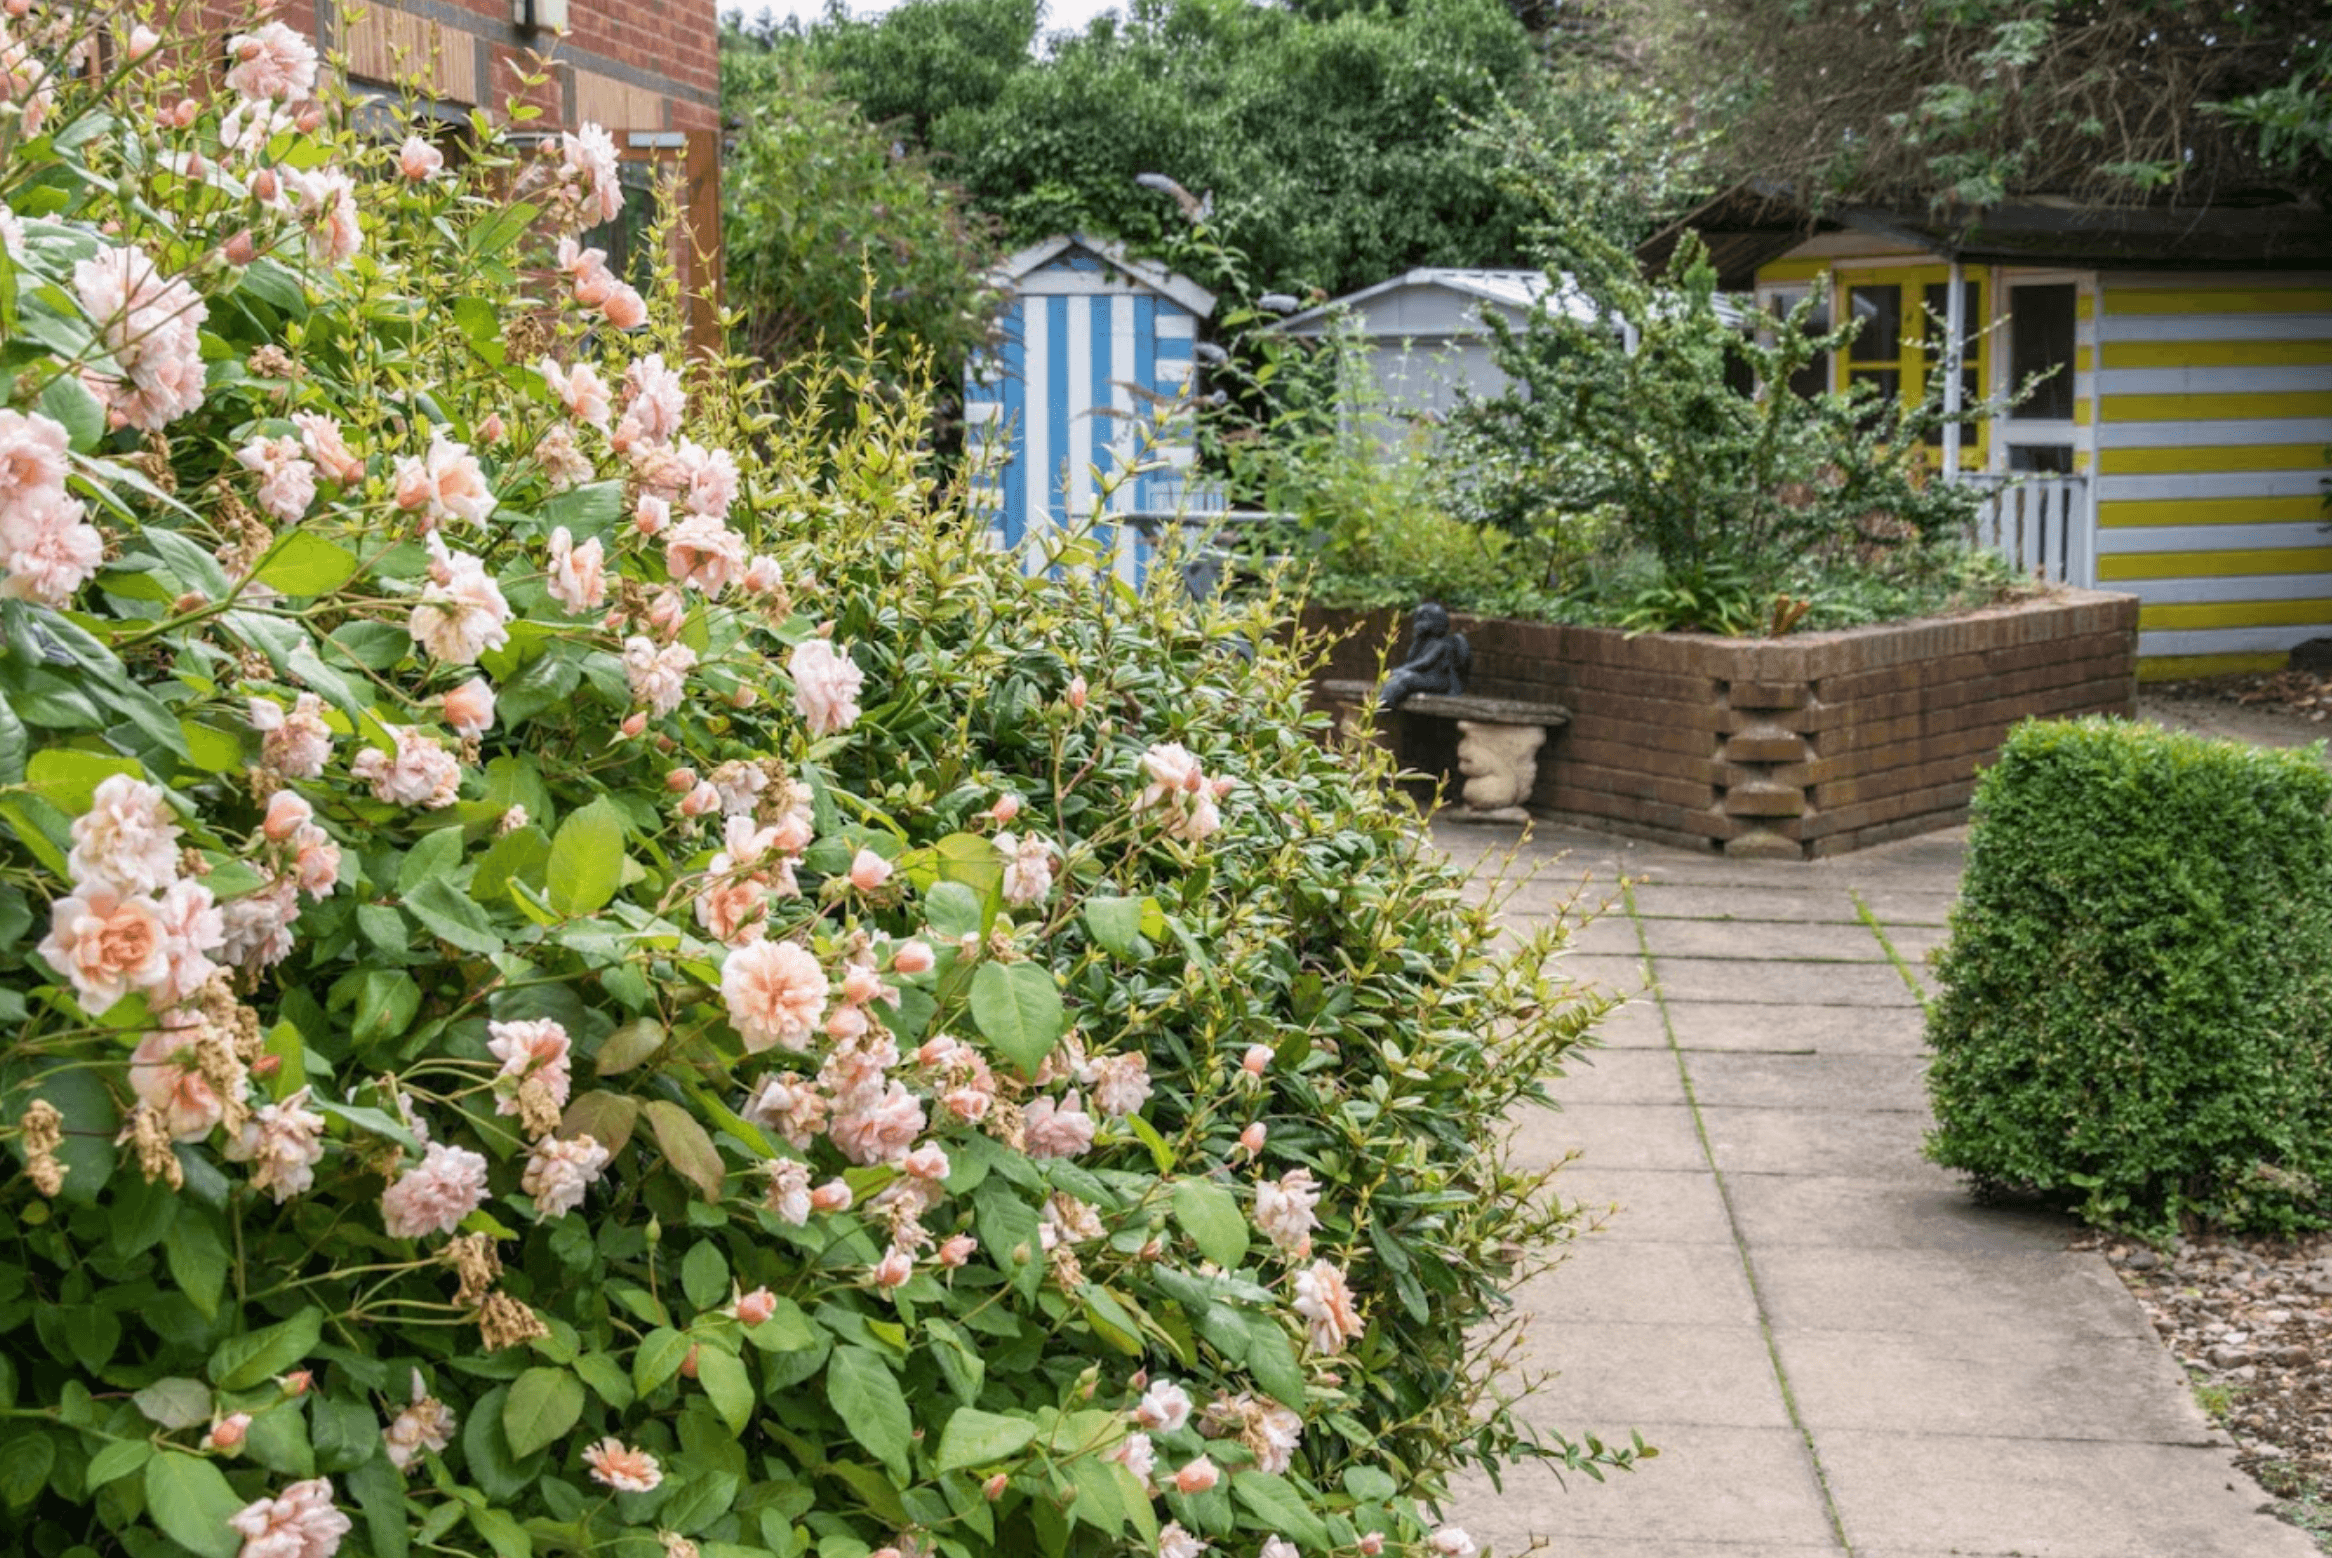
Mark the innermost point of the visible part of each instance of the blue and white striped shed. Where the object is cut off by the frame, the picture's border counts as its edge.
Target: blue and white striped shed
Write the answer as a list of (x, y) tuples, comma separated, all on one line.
[(1093, 354)]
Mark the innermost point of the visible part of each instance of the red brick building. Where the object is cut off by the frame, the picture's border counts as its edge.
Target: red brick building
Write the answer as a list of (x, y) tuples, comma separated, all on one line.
[(646, 70)]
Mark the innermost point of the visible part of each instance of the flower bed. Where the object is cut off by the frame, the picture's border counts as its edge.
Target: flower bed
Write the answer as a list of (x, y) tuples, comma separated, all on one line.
[(1793, 747), (590, 971)]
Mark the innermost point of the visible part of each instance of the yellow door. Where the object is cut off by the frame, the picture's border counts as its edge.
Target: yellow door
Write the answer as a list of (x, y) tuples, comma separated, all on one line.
[(1900, 345)]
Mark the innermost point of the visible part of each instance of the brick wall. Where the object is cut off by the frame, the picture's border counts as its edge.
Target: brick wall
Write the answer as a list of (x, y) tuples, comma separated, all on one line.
[(1802, 746)]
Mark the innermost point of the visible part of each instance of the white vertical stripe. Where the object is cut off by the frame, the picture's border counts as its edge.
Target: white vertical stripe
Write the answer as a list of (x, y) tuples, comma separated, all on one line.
[(1077, 491), (1123, 437), (1036, 355)]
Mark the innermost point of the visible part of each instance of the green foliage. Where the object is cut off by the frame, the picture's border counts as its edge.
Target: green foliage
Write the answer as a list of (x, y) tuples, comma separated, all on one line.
[(717, 894), (835, 237), (2293, 119), (2136, 1007)]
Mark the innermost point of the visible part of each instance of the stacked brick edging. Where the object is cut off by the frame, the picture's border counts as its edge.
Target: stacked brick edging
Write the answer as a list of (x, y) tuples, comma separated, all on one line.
[(1803, 746)]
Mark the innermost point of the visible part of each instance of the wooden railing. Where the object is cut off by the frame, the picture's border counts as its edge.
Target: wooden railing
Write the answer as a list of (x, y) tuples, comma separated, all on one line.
[(2041, 524)]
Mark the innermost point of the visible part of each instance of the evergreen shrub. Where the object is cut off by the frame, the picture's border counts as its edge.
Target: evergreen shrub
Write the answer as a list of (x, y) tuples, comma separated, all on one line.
[(2136, 1007), (586, 968)]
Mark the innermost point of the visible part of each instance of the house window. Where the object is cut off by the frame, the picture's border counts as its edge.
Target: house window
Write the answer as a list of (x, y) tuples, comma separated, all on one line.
[(1813, 378), (629, 254), (1875, 356), (2040, 340), (1934, 323)]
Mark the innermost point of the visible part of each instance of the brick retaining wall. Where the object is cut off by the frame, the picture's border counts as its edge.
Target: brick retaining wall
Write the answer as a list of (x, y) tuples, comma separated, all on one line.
[(1802, 746)]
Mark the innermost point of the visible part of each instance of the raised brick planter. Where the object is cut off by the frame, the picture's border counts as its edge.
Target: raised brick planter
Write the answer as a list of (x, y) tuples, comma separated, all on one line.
[(1794, 747)]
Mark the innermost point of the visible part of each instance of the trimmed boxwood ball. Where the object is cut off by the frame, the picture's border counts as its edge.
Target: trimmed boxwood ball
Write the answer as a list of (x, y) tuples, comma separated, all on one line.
[(2136, 1008)]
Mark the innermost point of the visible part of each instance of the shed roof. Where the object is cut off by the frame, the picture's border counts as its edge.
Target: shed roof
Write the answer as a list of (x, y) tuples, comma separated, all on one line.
[(1511, 289), (1018, 268)]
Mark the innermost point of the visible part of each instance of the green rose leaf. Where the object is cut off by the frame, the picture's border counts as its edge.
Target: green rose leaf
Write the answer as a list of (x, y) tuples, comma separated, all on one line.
[(175, 1403), (726, 1385), (115, 1461), (542, 1405), (506, 1536), (630, 1044), (951, 911), (67, 399), (659, 1357), (586, 865), (862, 1389), (67, 777), (976, 1438), (1018, 1010), (685, 1143), (304, 563), (452, 917), (1274, 1500), (1210, 1215), (704, 1274), (242, 1362), (192, 1502), (1115, 924)]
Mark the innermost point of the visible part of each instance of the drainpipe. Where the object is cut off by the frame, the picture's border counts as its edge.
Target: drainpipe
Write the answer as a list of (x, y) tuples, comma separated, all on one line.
[(1955, 326)]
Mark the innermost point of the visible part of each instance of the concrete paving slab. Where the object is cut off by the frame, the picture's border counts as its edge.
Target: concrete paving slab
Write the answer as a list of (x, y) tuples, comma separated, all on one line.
[(1622, 975), (1620, 1076), (1629, 1547), (1776, 982), (1821, 903), (1821, 1141), (1697, 1375), (1820, 940), (1719, 1486), (1643, 1283), (1639, 1205), (1620, 1136), (1910, 905), (1778, 1211), (1828, 1030), (2048, 1498), (1938, 1382), (1914, 943), (2061, 1296), (1771, 1081), (1637, 1024), (1614, 935)]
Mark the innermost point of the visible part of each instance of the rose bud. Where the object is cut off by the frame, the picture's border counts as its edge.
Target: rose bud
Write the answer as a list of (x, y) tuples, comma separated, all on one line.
[(228, 1432), (756, 1306), (267, 1065), (994, 1487), (1257, 1060), (869, 871), (1196, 1477), (1252, 1138), (287, 813), (704, 799), (266, 185), (634, 723), (1372, 1544), (680, 781), (295, 1383), (1006, 808), (1077, 692), (912, 958), (241, 249), (894, 1269), (832, 1196), (954, 1251), (688, 1364)]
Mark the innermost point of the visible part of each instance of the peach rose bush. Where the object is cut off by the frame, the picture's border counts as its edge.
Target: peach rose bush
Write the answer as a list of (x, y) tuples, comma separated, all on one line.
[(590, 970)]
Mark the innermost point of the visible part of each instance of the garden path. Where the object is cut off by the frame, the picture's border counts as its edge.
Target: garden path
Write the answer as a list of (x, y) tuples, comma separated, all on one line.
[(1835, 1349)]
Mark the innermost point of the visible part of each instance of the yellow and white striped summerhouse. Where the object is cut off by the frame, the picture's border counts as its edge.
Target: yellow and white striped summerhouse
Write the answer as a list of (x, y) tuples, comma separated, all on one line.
[(2178, 448)]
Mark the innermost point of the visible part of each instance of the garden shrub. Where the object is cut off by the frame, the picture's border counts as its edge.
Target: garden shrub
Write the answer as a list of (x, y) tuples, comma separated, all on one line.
[(2136, 1007), (590, 970)]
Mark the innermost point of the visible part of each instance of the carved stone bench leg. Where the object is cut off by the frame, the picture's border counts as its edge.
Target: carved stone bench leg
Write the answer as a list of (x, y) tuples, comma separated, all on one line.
[(1500, 764)]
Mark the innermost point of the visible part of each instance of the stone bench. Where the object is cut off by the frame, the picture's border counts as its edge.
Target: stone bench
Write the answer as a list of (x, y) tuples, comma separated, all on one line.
[(1498, 742)]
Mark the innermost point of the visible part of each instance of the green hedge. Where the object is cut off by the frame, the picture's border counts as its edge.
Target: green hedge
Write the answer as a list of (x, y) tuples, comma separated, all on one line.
[(2138, 980)]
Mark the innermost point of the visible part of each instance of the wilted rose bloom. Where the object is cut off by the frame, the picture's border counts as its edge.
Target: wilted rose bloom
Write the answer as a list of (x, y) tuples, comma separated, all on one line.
[(272, 62), (297, 744), (284, 1142), (1121, 1084), (789, 1190), (1324, 1300), (956, 1249), (1164, 1407), (560, 1171), (626, 1470), (755, 1307), (469, 708), (702, 552), (882, 1129), (710, 477), (894, 1269), (164, 1076), (107, 943), (426, 1425), (1196, 1476), (1451, 1542), (1283, 1212), (826, 687), (537, 1050), (1057, 1130), (127, 839), (258, 925), (418, 160), (775, 993), (1067, 1218), (461, 613), (659, 675), (564, 466), (192, 926), (790, 1106), (578, 574), (422, 773), (433, 1196), (1174, 1542), (299, 1523)]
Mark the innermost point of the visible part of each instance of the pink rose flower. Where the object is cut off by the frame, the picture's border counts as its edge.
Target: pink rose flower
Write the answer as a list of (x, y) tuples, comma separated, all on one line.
[(1283, 1212), (47, 552), (320, 436), (106, 943), (559, 1173), (654, 400), (881, 1129), (1121, 1084), (418, 160), (533, 1051), (581, 390), (422, 773), (625, 309), (1057, 1130), (826, 687), (702, 552), (32, 461), (299, 1523), (447, 1185), (325, 201), (775, 993), (659, 675), (1164, 1407), (1324, 1300), (272, 62), (163, 1075), (461, 613), (894, 1269), (615, 1465), (192, 926), (469, 708), (127, 839), (446, 483), (1196, 1476), (297, 744), (588, 156), (578, 576), (284, 1141), (869, 871), (789, 1189)]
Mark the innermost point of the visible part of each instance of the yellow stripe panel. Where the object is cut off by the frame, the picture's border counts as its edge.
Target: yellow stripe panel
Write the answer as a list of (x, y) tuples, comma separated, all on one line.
[(2223, 457), (1793, 270), (2216, 300), (2209, 511), (2193, 408), (2216, 354), (2236, 614), (2083, 358), (2084, 305), (2081, 412), (2179, 668), (2213, 565)]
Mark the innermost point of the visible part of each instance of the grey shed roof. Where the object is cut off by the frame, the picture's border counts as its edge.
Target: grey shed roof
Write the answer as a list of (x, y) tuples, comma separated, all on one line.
[(1429, 301)]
